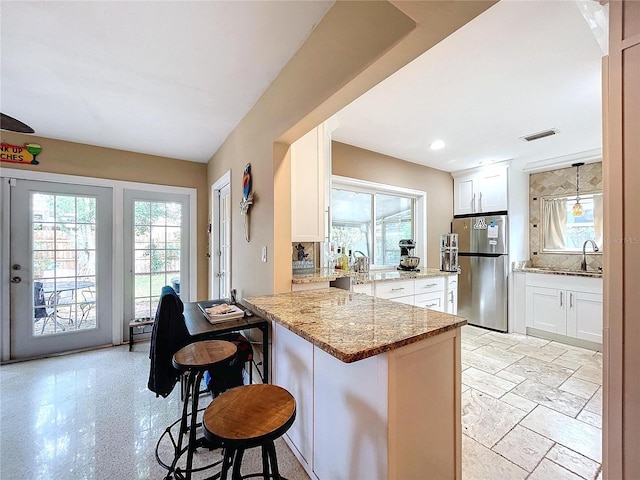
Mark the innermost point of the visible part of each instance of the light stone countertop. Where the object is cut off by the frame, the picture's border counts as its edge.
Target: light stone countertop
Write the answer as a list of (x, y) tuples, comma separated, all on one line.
[(558, 271), (327, 275), (351, 326)]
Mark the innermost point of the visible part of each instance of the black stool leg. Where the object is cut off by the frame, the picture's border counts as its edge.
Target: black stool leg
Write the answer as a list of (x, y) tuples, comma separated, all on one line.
[(265, 463), (271, 449), (237, 464), (227, 459), (183, 427), (195, 386)]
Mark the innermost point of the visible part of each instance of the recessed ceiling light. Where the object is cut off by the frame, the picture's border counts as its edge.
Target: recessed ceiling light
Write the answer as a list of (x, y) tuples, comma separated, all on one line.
[(437, 145)]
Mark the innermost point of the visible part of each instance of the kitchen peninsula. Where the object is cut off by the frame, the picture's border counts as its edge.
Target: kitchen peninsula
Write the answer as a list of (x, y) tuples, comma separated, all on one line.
[(377, 384)]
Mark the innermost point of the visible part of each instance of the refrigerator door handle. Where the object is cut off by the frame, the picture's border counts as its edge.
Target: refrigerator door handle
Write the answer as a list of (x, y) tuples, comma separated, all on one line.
[(473, 207), (480, 202)]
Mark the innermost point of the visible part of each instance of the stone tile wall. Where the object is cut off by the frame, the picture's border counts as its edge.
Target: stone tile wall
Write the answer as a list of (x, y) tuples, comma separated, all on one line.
[(559, 182)]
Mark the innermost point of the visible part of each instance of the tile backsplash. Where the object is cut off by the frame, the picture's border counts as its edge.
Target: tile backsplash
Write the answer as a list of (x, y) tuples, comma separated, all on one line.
[(559, 182)]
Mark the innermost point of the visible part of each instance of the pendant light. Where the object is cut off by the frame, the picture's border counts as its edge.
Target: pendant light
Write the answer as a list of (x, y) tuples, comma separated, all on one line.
[(578, 209)]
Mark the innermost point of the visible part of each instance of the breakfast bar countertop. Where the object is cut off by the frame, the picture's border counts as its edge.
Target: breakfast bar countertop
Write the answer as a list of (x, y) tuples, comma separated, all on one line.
[(326, 275), (351, 326)]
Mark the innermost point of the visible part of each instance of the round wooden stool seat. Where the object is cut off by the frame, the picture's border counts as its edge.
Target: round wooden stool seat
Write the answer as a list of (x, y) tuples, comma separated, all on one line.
[(203, 355), (246, 417)]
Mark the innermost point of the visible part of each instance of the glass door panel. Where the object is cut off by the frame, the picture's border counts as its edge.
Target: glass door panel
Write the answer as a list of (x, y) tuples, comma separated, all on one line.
[(61, 293)]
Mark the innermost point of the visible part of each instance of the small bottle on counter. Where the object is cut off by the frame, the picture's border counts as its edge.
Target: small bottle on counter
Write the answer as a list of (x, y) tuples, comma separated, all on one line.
[(331, 259), (338, 261), (344, 260)]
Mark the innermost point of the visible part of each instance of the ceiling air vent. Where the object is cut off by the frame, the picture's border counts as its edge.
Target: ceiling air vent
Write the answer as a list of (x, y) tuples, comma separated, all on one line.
[(539, 135)]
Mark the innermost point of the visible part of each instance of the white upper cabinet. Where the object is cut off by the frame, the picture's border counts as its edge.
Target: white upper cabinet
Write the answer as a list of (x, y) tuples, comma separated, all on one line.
[(310, 156), (464, 191), (481, 191)]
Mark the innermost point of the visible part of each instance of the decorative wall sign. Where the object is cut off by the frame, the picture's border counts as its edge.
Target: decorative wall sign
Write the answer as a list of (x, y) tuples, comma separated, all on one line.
[(17, 154), (247, 199)]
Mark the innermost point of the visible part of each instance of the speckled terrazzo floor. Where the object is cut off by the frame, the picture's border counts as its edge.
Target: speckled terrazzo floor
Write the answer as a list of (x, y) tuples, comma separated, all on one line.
[(90, 416)]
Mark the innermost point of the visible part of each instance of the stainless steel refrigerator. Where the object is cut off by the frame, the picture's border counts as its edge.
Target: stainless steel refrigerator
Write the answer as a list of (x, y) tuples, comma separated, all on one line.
[(484, 265)]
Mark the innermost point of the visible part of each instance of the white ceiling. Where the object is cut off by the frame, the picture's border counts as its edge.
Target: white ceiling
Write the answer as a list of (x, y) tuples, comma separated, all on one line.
[(520, 68), (164, 78), (174, 78)]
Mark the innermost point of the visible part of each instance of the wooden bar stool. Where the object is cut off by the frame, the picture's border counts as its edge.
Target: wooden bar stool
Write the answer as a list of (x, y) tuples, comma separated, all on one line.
[(195, 359), (247, 417)]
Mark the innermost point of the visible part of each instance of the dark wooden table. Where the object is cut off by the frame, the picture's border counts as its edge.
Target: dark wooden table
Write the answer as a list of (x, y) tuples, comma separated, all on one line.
[(201, 329)]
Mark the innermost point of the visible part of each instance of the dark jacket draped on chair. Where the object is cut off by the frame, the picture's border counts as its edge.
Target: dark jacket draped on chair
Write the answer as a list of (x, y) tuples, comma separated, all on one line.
[(169, 335)]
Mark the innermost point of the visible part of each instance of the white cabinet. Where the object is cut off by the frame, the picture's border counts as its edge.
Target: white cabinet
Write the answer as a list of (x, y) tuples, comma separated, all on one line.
[(436, 293), (429, 293), (309, 157), (481, 191), (395, 290), (464, 194), (564, 305), (433, 301), (584, 317), (546, 309), (293, 370)]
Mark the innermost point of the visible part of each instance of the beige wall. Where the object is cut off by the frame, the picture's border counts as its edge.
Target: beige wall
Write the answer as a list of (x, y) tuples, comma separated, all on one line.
[(354, 162), (88, 161), (354, 47)]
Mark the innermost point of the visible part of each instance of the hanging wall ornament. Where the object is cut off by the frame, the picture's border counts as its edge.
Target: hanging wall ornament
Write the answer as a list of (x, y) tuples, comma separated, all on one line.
[(247, 199)]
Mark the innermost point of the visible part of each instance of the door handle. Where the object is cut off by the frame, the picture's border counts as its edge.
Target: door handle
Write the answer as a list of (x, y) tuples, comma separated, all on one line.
[(561, 299), (396, 289), (480, 202), (473, 206), (16, 279)]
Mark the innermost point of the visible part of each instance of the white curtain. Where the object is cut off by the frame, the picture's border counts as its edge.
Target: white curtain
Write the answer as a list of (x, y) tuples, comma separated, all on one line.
[(597, 218), (555, 224)]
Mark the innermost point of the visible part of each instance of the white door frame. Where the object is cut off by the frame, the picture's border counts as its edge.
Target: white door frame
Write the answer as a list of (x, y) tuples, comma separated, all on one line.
[(214, 240), (118, 187)]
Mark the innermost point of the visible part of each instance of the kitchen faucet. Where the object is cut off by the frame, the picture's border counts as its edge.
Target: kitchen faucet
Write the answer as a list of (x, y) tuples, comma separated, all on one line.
[(583, 265)]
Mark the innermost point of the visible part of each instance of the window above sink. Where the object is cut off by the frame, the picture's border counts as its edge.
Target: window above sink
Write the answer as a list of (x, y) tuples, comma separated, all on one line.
[(561, 232)]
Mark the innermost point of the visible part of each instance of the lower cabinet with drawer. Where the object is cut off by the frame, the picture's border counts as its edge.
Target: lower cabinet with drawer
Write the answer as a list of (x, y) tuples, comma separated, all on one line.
[(397, 290), (564, 305), (436, 293), (433, 300)]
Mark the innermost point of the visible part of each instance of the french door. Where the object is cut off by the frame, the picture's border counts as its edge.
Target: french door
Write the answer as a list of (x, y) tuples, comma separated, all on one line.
[(60, 267), (156, 250), (220, 234), (224, 242)]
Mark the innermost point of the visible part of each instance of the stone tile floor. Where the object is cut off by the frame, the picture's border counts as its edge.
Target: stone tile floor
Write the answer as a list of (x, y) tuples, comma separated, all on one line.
[(531, 408)]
